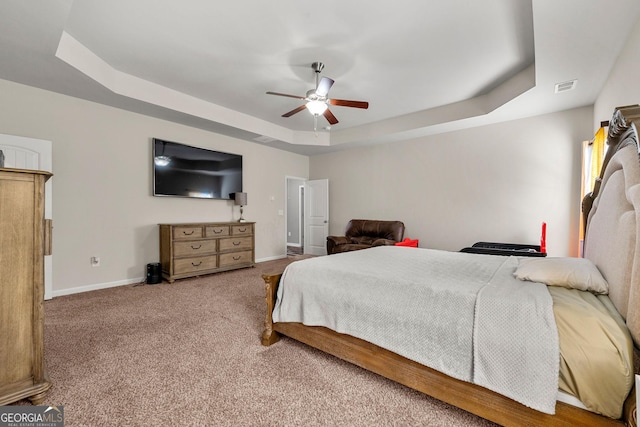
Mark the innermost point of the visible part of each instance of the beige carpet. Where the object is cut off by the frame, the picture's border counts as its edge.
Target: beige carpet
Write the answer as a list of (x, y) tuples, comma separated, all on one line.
[(189, 353)]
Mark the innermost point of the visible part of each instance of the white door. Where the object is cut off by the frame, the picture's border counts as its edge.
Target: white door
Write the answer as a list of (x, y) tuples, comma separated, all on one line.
[(29, 153), (316, 216)]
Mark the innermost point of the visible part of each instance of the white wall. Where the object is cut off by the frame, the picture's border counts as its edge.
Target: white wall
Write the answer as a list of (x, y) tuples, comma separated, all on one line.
[(496, 182), (102, 185), (492, 183), (623, 85)]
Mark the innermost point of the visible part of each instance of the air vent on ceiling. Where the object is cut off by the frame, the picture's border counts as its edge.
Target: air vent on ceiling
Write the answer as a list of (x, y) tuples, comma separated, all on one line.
[(264, 139), (565, 86)]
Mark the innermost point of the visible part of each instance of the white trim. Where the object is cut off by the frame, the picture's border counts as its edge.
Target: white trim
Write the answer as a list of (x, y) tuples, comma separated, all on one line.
[(271, 258), (286, 212), (98, 286), (300, 214)]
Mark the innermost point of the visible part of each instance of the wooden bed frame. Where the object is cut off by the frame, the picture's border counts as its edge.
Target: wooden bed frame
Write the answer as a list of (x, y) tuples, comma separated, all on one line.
[(467, 396)]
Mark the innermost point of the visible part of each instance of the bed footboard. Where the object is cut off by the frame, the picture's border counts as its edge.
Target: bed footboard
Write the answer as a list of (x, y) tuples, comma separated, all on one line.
[(271, 282)]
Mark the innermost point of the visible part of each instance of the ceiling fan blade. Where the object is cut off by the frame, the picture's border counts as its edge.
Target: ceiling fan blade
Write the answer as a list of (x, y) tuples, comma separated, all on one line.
[(292, 112), (330, 117), (284, 94), (324, 86), (348, 103)]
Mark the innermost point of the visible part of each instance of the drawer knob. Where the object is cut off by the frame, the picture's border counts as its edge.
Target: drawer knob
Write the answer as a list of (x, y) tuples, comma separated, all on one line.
[(242, 230), (217, 231), (187, 234), (236, 243), (235, 258), (196, 247), (196, 265)]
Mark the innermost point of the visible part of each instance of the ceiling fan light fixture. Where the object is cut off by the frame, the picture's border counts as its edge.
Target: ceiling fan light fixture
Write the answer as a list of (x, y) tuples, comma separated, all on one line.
[(316, 107), (162, 160), (317, 99)]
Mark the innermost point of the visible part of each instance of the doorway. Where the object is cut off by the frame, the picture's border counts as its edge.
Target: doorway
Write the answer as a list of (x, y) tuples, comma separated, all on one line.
[(295, 215), (306, 216)]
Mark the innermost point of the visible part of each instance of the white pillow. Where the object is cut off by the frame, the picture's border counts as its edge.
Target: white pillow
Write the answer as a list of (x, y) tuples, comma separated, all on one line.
[(572, 273)]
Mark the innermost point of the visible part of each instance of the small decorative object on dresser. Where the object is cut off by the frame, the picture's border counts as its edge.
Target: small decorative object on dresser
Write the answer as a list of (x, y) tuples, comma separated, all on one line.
[(241, 200), (22, 250), (188, 250)]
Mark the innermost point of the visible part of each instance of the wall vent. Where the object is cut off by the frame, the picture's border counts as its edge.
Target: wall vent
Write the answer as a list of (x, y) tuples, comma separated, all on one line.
[(264, 139), (565, 86)]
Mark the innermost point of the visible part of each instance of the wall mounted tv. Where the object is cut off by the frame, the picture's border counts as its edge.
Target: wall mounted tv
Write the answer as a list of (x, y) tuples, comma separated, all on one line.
[(184, 171)]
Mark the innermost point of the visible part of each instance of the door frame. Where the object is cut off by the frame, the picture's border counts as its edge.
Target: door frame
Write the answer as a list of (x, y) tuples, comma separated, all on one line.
[(287, 213)]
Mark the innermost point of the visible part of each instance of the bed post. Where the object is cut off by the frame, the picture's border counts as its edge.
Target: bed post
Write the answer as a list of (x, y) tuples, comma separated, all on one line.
[(271, 281)]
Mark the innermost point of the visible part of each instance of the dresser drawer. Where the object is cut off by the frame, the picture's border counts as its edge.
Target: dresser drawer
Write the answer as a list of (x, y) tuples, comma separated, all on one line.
[(239, 230), (195, 248), (199, 248), (182, 233), (234, 258), (191, 265), (236, 243), (216, 231)]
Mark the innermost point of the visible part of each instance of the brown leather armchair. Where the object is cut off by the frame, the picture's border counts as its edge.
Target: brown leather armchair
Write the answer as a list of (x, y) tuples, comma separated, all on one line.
[(366, 233)]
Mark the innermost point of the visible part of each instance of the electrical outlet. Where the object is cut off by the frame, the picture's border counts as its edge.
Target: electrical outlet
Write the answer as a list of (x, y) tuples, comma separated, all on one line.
[(289, 234), (95, 261)]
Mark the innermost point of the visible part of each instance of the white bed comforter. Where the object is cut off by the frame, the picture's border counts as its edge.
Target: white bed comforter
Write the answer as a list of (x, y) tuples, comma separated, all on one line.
[(462, 314)]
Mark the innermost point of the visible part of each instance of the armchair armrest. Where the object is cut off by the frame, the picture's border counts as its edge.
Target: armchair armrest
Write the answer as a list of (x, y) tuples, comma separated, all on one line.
[(339, 240), (333, 241), (383, 242)]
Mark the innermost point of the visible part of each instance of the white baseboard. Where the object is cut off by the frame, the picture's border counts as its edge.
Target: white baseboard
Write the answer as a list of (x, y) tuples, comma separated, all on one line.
[(87, 288), (271, 258), (95, 287)]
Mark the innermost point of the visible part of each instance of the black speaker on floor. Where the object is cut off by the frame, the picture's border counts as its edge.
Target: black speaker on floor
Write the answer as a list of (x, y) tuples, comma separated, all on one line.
[(154, 273)]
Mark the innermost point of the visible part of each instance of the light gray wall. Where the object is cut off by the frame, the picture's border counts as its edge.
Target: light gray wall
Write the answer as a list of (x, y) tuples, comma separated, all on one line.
[(102, 192), (497, 182), (623, 85), (492, 183)]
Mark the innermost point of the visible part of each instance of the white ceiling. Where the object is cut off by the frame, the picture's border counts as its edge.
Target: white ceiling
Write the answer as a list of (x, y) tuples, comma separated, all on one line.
[(424, 66)]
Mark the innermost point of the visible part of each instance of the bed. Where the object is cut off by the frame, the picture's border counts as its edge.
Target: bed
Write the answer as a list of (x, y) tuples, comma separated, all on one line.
[(480, 378)]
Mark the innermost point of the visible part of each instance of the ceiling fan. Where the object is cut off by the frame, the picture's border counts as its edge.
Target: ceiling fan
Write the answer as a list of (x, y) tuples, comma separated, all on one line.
[(317, 99)]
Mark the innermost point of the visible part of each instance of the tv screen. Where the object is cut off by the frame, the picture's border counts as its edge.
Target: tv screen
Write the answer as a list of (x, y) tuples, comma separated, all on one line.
[(185, 171)]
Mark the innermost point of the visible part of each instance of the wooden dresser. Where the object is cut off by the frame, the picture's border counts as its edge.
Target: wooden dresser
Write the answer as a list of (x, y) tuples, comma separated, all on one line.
[(22, 250), (188, 250)]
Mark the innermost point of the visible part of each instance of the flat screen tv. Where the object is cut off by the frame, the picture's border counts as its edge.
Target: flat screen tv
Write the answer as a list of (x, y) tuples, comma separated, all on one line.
[(184, 171)]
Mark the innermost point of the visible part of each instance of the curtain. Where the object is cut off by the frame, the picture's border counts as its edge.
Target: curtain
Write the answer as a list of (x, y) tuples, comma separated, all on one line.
[(592, 159), (597, 156)]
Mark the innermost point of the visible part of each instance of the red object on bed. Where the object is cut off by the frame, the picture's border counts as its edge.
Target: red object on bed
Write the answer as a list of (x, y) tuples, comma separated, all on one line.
[(543, 239), (408, 242)]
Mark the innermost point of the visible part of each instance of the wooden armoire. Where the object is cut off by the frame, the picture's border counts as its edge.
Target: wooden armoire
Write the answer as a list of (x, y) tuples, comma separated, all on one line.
[(24, 240)]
